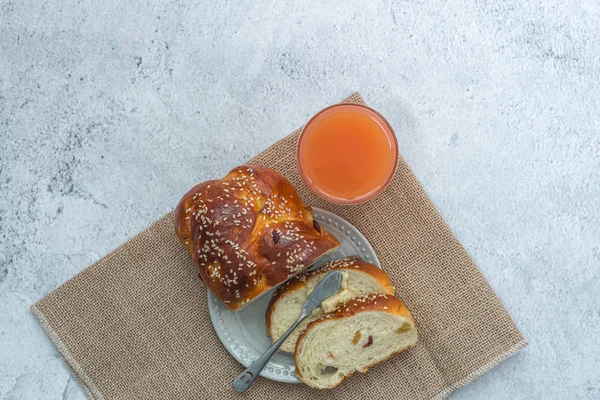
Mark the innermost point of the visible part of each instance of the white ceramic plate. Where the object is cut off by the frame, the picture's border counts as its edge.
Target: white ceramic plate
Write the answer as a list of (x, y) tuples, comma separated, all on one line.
[(243, 333)]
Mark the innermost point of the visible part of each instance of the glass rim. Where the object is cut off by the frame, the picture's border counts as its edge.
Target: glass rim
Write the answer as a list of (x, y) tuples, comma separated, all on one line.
[(387, 129)]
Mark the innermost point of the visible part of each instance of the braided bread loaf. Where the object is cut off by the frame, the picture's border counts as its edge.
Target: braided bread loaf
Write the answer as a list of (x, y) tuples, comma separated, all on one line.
[(249, 232)]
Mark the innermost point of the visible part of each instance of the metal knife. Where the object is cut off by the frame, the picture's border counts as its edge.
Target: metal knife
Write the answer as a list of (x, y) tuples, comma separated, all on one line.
[(330, 285)]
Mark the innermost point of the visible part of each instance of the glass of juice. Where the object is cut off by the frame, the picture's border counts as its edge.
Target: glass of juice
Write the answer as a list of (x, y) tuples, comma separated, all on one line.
[(347, 153)]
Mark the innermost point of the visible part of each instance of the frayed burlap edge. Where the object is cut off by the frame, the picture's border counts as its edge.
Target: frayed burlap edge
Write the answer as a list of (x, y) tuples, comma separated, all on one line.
[(480, 371), (84, 382)]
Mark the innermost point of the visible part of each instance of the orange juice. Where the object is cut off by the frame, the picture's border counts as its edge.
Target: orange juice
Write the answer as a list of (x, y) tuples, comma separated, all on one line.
[(347, 153)]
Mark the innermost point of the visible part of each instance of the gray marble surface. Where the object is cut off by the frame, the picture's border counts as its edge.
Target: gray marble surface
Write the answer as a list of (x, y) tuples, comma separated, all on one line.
[(110, 110)]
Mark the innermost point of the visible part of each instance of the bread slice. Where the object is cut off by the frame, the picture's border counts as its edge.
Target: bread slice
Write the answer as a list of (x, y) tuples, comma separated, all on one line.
[(359, 334), (359, 277)]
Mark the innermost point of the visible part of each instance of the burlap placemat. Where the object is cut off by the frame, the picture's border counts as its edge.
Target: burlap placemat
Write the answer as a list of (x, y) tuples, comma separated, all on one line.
[(135, 325)]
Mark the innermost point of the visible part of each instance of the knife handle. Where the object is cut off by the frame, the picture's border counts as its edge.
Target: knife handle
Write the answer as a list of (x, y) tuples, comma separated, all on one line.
[(247, 377)]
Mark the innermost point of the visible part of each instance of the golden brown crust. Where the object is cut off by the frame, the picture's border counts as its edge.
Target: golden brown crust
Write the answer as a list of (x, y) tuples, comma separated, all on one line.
[(353, 262), (248, 232), (370, 302)]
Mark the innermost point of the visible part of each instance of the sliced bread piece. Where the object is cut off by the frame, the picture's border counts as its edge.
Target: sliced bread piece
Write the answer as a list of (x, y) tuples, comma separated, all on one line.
[(359, 277), (359, 334)]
